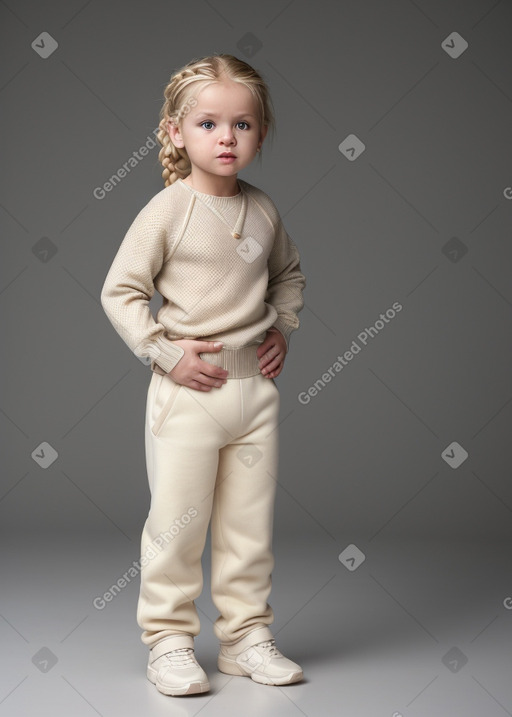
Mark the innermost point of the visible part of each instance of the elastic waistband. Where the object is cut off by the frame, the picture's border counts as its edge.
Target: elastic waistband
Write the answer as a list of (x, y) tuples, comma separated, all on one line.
[(240, 363)]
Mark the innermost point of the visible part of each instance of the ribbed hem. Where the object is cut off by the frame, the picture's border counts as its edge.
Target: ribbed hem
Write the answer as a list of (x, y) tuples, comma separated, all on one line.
[(240, 363), (166, 354)]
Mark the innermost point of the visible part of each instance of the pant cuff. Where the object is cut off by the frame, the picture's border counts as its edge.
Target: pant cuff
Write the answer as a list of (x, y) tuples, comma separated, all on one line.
[(251, 638), (172, 642)]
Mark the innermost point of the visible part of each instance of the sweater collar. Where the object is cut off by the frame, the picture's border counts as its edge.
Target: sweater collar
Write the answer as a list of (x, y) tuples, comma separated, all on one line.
[(217, 204)]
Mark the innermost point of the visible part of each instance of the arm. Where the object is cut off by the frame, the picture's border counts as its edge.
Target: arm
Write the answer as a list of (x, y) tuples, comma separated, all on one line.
[(286, 283), (129, 287), (284, 292)]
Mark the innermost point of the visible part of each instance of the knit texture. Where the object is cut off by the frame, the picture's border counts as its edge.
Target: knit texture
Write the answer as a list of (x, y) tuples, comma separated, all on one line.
[(214, 287)]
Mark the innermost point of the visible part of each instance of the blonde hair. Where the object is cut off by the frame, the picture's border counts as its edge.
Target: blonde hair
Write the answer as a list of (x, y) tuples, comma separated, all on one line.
[(180, 98)]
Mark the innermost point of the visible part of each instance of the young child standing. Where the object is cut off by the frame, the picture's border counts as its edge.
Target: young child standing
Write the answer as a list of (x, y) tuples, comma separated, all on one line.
[(215, 248)]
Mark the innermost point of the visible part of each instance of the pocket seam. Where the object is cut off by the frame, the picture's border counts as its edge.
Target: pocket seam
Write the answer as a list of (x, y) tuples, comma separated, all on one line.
[(166, 409)]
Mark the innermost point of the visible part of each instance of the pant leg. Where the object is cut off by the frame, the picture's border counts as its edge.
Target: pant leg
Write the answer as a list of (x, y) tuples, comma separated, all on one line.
[(243, 512), (182, 439)]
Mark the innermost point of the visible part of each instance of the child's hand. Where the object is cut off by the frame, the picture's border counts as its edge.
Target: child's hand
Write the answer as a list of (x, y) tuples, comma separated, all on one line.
[(195, 373), (272, 353)]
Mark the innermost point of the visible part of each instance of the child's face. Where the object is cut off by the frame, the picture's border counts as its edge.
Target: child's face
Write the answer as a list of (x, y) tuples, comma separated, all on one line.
[(223, 120)]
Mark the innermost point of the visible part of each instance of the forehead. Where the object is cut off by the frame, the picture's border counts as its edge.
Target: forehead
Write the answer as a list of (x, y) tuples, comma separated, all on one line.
[(218, 97)]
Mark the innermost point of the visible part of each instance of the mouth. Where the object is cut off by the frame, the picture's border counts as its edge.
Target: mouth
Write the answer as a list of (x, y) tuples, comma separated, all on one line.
[(227, 154)]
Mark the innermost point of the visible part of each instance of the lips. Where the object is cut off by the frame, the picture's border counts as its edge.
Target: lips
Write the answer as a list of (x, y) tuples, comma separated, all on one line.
[(227, 154)]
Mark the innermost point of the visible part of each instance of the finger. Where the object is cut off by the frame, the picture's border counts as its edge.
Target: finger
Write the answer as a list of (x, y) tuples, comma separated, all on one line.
[(203, 368), (267, 344), (198, 386), (209, 370), (263, 348), (208, 346), (275, 373), (212, 381), (272, 365), (269, 355)]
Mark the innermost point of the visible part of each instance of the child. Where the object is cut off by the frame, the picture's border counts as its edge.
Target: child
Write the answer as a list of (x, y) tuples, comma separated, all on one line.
[(216, 249)]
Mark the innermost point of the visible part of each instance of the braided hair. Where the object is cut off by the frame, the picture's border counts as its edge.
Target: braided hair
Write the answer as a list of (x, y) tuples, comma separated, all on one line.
[(180, 98)]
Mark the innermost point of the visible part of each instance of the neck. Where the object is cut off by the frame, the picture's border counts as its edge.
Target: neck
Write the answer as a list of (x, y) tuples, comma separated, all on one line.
[(218, 186)]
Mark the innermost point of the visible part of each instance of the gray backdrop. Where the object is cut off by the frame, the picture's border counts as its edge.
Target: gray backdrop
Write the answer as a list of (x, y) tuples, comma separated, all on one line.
[(391, 168), (420, 217)]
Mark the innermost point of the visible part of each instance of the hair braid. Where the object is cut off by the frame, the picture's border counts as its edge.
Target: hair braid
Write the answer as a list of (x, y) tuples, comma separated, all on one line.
[(174, 160)]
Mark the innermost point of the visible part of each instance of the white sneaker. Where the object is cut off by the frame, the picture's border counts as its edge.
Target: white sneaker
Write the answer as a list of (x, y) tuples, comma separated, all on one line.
[(262, 662), (176, 671)]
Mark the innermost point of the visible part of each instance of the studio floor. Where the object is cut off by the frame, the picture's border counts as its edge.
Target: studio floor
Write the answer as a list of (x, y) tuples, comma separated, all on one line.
[(416, 629)]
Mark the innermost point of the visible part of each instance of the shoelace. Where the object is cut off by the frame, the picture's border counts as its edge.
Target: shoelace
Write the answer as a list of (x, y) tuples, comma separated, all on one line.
[(270, 648), (181, 657)]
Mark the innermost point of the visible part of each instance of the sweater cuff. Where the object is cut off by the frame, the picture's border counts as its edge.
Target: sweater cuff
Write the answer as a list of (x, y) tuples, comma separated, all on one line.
[(164, 352), (284, 328)]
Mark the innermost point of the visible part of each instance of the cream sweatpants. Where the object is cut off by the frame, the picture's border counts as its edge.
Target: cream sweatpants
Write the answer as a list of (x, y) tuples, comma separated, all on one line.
[(211, 457)]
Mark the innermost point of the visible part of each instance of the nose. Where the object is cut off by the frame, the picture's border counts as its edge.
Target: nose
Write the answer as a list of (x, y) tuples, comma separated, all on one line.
[(227, 135)]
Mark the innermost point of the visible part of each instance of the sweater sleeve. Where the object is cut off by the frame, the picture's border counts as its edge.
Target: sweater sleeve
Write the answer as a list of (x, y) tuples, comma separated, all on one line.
[(129, 287), (286, 282)]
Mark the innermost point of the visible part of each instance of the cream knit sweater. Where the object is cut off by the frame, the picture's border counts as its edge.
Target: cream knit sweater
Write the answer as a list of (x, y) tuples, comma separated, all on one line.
[(214, 287)]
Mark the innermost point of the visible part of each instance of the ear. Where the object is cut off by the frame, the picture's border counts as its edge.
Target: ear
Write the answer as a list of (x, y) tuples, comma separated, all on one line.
[(175, 134), (263, 133)]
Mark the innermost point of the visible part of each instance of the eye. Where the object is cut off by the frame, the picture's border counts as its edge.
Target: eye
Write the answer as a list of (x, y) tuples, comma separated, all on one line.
[(206, 122), (243, 122)]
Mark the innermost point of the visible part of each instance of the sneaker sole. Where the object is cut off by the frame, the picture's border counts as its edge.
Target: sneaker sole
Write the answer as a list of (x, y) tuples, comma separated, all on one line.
[(231, 667), (192, 688)]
